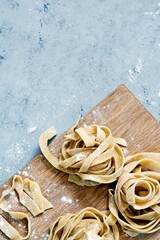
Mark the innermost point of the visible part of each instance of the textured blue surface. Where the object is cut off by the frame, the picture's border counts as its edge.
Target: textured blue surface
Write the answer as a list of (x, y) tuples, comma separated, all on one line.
[(59, 58)]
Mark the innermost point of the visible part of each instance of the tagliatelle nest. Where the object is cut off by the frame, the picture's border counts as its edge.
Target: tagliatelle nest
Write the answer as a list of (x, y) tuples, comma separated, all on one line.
[(89, 223), (89, 154), (136, 203)]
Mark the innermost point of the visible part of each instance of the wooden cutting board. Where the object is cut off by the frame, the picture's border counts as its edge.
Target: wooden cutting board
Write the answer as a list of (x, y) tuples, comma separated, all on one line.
[(127, 118)]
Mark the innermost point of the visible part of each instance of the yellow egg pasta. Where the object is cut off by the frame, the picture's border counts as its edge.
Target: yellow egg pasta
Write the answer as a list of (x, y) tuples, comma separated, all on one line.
[(136, 201), (89, 154), (8, 229), (30, 196), (89, 223)]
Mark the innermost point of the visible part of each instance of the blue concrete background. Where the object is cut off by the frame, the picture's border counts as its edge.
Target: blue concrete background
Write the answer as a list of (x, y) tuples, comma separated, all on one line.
[(59, 58)]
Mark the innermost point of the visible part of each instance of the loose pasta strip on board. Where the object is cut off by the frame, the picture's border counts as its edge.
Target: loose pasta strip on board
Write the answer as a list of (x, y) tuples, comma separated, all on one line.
[(30, 196), (8, 229)]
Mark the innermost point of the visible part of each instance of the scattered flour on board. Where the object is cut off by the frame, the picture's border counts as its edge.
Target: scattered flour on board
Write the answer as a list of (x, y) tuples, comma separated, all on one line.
[(33, 234), (45, 236), (94, 112), (24, 173), (106, 107), (97, 114), (66, 199)]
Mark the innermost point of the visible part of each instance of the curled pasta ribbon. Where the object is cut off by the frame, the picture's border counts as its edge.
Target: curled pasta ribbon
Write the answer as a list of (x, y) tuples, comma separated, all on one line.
[(89, 154), (8, 229), (89, 223), (5, 226), (29, 194), (136, 202)]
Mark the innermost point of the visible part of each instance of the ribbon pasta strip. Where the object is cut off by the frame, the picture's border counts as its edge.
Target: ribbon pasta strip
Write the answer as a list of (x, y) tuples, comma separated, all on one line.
[(89, 154), (8, 229), (89, 223), (30, 196), (136, 202)]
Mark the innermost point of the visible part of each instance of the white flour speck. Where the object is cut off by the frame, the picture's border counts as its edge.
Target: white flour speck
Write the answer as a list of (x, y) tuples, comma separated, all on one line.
[(153, 103), (130, 76), (25, 173), (29, 167), (33, 234), (139, 65), (89, 237), (132, 138), (148, 13), (125, 151), (32, 129), (1, 223), (132, 73), (45, 236), (80, 156), (66, 199), (157, 45), (9, 206), (12, 193)]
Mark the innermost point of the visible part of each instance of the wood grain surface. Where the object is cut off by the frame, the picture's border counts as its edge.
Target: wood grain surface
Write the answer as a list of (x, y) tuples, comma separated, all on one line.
[(127, 118)]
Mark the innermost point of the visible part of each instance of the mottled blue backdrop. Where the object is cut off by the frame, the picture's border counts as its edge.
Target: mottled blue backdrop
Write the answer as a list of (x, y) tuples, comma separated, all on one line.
[(59, 58)]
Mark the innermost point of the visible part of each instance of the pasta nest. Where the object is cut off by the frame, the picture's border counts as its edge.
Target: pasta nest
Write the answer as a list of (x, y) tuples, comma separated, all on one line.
[(89, 154), (137, 195), (89, 223)]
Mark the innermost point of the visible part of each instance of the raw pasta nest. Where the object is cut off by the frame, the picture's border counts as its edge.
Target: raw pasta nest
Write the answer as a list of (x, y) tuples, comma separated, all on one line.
[(89, 223), (137, 195), (90, 154)]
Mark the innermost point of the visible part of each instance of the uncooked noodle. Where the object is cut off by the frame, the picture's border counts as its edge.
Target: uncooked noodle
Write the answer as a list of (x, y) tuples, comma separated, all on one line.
[(88, 224), (30, 196), (89, 154), (92, 156), (136, 202)]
